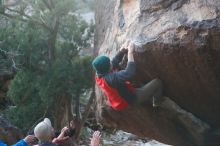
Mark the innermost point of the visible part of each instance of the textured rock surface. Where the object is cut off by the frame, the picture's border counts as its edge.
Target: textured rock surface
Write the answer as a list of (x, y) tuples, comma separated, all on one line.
[(180, 43), (8, 133)]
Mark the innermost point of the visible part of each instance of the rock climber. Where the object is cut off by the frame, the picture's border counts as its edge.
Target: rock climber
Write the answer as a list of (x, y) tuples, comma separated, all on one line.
[(116, 83)]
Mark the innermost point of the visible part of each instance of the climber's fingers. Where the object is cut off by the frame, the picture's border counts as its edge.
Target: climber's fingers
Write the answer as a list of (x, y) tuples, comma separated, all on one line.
[(125, 45)]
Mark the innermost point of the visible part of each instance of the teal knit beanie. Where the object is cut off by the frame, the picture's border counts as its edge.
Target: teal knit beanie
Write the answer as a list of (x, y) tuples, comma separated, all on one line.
[(101, 64)]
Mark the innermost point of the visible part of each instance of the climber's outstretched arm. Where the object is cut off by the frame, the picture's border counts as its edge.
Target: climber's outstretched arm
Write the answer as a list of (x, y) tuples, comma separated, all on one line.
[(119, 56), (129, 71)]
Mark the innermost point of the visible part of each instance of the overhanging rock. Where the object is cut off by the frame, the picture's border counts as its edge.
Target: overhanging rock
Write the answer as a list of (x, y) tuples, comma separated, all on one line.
[(180, 44)]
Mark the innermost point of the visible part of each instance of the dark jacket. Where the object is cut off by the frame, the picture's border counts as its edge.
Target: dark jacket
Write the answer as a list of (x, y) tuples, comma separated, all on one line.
[(118, 80)]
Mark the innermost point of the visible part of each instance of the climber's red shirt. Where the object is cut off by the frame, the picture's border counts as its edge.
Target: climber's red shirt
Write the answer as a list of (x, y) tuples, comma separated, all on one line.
[(116, 101)]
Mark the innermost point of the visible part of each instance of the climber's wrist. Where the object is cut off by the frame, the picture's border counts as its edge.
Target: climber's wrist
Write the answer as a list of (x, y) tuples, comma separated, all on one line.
[(130, 57), (131, 52)]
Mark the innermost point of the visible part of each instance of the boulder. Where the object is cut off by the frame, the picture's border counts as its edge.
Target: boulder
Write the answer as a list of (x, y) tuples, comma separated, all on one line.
[(178, 41)]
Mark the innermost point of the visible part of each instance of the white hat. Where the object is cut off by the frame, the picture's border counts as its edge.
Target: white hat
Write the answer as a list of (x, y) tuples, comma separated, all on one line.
[(43, 130)]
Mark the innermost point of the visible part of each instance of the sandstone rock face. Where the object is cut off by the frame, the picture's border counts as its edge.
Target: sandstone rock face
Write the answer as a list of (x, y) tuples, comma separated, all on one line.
[(179, 42), (8, 133)]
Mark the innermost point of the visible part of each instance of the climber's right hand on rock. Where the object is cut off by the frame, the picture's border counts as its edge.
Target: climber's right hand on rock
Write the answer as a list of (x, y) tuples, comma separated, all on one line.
[(130, 52), (131, 47), (124, 46)]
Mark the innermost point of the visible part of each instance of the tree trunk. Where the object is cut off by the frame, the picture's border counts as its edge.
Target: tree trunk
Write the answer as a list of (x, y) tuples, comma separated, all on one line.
[(52, 41), (62, 112), (85, 115), (4, 83), (77, 110)]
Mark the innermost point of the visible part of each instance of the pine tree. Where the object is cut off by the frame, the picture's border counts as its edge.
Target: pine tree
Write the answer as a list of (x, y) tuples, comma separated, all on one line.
[(42, 40)]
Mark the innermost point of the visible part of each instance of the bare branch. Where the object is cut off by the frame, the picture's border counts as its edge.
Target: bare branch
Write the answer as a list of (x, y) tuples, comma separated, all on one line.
[(52, 3), (14, 65), (42, 20), (5, 52), (12, 4), (10, 56), (47, 4), (10, 53), (20, 13), (17, 17), (86, 113)]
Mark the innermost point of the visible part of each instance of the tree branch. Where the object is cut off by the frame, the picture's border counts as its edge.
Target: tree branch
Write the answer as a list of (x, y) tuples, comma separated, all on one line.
[(47, 4), (20, 13), (85, 114), (15, 68), (10, 53), (14, 3), (52, 3), (17, 17)]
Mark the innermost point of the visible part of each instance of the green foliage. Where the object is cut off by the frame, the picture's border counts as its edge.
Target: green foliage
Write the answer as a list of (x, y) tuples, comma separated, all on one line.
[(33, 93), (26, 115), (66, 78), (23, 42), (22, 87), (24, 92), (38, 84), (73, 32)]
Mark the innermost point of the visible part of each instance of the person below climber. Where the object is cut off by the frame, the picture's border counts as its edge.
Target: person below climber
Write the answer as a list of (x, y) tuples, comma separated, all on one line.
[(2, 143), (44, 132), (26, 141), (116, 83)]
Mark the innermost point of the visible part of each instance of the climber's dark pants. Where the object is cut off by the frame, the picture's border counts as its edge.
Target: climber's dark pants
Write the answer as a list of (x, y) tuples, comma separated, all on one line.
[(147, 92)]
